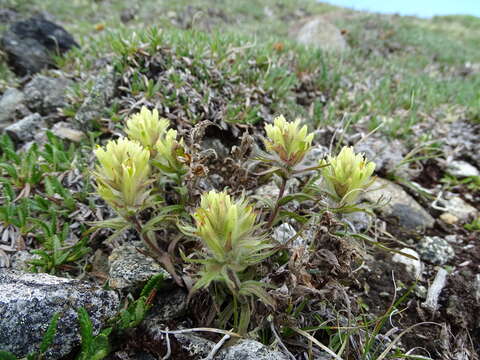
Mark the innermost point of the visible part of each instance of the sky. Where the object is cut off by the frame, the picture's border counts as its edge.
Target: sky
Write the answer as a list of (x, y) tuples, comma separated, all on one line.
[(422, 8)]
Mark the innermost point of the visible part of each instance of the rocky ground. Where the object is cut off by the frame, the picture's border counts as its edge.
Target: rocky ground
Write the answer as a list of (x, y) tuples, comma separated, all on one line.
[(404, 91)]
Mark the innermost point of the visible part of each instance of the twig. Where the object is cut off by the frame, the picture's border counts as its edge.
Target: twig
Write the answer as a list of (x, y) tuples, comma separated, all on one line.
[(431, 303), (280, 342), (316, 342), (274, 213), (169, 349), (161, 256), (217, 347), (201, 329)]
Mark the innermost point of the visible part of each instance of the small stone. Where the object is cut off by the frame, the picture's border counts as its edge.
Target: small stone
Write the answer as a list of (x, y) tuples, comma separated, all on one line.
[(130, 269), (271, 189), (128, 15), (20, 260), (401, 206), (250, 349), (244, 349), (220, 149), (45, 94), (9, 102), (319, 33), (25, 129), (453, 239), (476, 287), (457, 207), (65, 131), (8, 16), (413, 267), (29, 301), (462, 169), (313, 157), (435, 250), (359, 220), (285, 232), (169, 304), (421, 291), (448, 218), (95, 103)]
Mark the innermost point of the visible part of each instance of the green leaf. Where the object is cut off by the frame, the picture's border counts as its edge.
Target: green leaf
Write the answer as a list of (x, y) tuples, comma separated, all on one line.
[(49, 334), (10, 170), (297, 196), (245, 315), (5, 355), (155, 282), (86, 330)]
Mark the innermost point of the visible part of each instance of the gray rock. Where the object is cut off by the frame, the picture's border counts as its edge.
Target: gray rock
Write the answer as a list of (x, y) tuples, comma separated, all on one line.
[(462, 169), (244, 349), (29, 44), (29, 301), (460, 139), (250, 349), (360, 221), (311, 159), (435, 250), (170, 304), (45, 94), (285, 232), (65, 131), (94, 105), (20, 260), (457, 207), (9, 102), (476, 287), (319, 33), (271, 189), (130, 269), (387, 155), (412, 266), (221, 150), (25, 129), (401, 206), (7, 16)]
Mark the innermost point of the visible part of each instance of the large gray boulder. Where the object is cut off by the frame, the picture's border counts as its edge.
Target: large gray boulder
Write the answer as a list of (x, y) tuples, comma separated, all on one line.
[(29, 301)]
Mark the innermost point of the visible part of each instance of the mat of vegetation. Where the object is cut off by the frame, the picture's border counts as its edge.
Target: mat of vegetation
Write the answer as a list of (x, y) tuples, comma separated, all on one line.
[(152, 151)]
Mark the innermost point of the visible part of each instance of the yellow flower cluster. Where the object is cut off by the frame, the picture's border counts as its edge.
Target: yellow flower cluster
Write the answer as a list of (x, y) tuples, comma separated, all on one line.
[(227, 229), (123, 174), (288, 140), (146, 127), (347, 175)]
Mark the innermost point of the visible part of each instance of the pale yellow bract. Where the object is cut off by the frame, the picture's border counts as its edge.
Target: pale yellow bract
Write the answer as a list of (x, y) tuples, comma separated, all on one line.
[(288, 140), (227, 229), (123, 174), (347, 175), (168, 151), (146, 127)]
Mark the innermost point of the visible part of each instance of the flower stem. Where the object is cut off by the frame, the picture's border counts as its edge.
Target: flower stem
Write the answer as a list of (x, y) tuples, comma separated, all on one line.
[(281, 192), (161, 256)]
